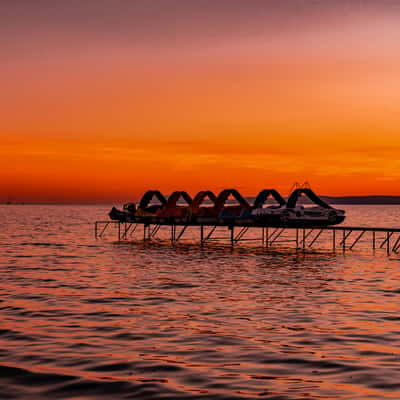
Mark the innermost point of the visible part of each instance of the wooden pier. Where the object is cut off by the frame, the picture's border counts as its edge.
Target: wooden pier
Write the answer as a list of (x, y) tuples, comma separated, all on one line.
[(341, 238)]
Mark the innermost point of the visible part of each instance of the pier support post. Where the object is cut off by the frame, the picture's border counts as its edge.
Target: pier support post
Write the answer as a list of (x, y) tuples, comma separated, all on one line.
[(373, 240), (396, 245), (172, 233), (334, 239), (388, 243), (297, 238), (201, 235), (344, 240), (145, 227), (232, 235)]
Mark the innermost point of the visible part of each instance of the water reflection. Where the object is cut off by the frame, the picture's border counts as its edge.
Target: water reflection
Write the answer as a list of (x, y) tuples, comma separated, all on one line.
[(87, 319)]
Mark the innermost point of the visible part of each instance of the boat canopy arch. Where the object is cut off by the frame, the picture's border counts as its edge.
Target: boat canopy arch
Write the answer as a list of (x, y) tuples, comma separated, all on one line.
[(200, 197), (262, 197), (175, 197), (148, 197), (296, 194), (172, 209), (224, 195)]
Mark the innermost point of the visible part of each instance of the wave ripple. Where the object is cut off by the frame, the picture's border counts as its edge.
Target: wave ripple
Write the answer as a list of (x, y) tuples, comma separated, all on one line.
[(85, 320)]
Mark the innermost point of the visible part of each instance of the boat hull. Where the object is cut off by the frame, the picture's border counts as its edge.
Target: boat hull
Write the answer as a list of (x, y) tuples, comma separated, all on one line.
[(122, 216)]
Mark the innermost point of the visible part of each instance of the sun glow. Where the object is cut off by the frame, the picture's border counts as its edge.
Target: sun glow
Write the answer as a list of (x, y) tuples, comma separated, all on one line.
[(104, 120)]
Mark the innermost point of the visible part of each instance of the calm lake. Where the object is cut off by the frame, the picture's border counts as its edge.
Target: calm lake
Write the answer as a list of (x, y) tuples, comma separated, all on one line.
[(94, 319)]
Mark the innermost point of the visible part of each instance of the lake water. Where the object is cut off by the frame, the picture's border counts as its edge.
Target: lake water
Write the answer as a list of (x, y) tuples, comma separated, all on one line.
[(94, 319)]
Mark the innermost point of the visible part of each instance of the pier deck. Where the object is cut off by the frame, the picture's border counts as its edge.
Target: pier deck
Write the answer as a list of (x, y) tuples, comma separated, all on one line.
[(303, 238)]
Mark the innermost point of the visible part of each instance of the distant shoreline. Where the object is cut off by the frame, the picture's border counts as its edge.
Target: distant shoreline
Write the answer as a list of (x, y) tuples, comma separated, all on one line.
[(356, 200), (360, 200)]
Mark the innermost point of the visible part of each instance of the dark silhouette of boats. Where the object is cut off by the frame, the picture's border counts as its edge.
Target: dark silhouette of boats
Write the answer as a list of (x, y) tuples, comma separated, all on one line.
[(208, 209), (174, 211), (322, 214), (229, 214), (126, 215), (267, 215), (202, 209), (291, 214), (151, 204)]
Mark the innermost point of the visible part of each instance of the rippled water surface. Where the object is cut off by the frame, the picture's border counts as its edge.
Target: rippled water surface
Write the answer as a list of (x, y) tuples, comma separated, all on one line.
[(87, 319)]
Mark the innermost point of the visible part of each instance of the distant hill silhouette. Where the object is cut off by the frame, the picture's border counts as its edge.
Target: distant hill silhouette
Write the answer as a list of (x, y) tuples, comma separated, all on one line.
[(351, 200), (362, 199)]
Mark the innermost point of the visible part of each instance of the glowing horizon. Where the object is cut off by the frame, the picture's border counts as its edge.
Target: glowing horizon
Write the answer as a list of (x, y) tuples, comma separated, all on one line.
[(96, 108)]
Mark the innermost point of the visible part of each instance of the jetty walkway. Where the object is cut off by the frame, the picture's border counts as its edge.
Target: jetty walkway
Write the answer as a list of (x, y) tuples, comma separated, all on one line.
[(301, 238)]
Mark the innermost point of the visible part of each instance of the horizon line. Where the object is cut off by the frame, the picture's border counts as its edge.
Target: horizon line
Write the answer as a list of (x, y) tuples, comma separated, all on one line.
[(110, 202)]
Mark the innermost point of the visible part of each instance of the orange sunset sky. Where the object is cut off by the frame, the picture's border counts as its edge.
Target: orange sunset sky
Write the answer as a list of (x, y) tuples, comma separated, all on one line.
[(101, 100)]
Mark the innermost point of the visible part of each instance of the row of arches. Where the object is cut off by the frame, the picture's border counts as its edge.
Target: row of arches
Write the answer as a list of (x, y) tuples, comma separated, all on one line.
[(206, 203)]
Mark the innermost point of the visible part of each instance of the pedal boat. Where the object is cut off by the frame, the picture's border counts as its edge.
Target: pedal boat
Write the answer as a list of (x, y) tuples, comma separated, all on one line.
[(268, 215), (321, 214), (174, 212), (202, 209), (231, 214), (125, 215), (150, 206)]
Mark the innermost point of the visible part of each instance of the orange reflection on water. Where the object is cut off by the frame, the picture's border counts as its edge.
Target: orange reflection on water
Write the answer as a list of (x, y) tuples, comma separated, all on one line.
[(176, 320)]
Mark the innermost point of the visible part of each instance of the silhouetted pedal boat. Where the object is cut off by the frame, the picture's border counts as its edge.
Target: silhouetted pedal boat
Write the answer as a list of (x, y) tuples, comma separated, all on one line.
[(174, 211), (293, 215), (150, 206), (202, 209), (231, 214), (269, 215), (127, 215), (322, 214)]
